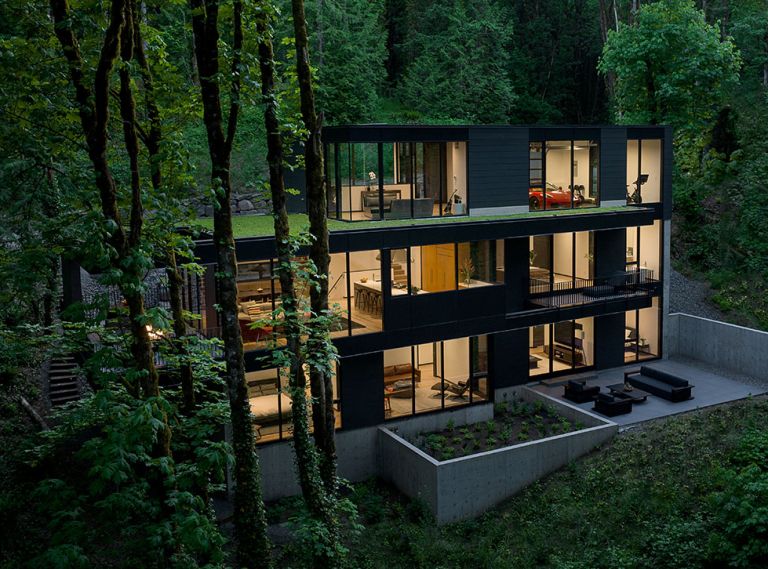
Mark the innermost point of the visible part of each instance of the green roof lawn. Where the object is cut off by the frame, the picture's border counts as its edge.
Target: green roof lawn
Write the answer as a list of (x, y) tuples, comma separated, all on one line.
[(261, 225)]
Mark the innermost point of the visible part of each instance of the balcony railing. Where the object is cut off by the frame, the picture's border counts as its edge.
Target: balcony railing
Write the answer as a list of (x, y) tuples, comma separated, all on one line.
[(575, 291)]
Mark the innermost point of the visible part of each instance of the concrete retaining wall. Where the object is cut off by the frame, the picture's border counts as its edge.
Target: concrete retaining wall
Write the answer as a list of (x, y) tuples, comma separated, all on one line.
[(726, 346), (465, 487), (358, 450)]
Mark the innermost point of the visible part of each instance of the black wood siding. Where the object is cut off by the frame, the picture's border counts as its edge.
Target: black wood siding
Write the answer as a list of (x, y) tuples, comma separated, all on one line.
[(361, 381), (613, 164), (497, 167), (609, 341)]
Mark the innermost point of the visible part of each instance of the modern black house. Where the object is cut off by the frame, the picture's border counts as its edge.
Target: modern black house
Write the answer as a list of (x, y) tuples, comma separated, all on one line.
[(466, 260), (469, 259)]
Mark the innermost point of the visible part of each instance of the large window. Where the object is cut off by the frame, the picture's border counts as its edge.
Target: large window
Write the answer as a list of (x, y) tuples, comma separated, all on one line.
[(433, 376), (354, 295), (561, 261), (449, 266), (396, 180), (560, 347), (642, 333), (271, 403), (644, 171), (644, 250), (564, 174)]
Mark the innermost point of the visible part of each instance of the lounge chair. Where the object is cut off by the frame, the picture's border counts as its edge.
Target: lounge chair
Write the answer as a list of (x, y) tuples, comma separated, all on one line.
[(457, 389)]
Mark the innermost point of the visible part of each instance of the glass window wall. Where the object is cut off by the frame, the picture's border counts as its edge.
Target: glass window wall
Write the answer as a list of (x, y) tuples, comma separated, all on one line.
[(271, 403), (560, 347), (642, 333), (561, 261), (354, 295), (448, 266), (644, 171), (433, 376), (564, 174), (396, 180), (644, 250)]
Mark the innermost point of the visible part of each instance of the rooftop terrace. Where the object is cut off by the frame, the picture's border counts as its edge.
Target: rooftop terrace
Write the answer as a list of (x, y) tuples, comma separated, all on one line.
[(261, 225)]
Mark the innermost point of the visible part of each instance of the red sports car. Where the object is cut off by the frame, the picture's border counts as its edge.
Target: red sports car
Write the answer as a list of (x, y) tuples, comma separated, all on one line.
[(557, 197)]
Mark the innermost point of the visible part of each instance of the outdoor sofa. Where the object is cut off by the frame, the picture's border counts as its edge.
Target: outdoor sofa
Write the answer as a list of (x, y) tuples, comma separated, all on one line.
[(661, 383)]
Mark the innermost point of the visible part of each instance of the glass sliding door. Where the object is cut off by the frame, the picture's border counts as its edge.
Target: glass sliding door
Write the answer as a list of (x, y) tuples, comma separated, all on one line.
[(434, 376)]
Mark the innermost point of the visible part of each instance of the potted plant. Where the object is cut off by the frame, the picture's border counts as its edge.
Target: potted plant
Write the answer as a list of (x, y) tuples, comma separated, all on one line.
[(466, 270)]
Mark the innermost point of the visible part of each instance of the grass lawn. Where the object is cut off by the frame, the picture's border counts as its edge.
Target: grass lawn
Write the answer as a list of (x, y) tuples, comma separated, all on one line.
[(262, 225), (643, 501)]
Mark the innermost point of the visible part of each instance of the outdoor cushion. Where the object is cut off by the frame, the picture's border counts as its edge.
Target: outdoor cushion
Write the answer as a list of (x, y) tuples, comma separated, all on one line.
[(664, 376)]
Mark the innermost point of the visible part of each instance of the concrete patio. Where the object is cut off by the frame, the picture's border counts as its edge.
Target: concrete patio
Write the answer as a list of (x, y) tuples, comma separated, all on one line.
[(712, 387)]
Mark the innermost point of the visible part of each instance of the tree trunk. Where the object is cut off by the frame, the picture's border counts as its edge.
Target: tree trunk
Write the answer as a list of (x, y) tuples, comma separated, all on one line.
[(94, 116), (175, 284), (249, 515), (152, 140), (320, 379), (319, 502)]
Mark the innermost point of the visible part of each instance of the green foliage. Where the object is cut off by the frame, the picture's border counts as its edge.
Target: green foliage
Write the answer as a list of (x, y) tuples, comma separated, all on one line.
[(671, 67), (114, 490), (741, 507), (460, 63)]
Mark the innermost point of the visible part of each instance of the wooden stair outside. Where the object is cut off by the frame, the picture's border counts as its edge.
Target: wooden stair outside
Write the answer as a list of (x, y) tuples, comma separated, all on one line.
[(63, 380)]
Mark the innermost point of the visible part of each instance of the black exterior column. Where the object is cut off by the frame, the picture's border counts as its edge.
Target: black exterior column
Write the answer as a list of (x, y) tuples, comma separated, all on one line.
[(71, 286), (361, 381), (610, 257), (508, 358), (516, 272)]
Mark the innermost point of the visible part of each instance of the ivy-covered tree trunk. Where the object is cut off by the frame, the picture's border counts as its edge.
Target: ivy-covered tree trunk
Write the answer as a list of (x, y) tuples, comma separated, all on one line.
[(320, 378), (320, 502), (249, 515), (93, 106), (152, 139)]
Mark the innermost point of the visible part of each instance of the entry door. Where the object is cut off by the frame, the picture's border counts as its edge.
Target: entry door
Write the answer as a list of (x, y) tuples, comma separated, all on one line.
[(438, 267)]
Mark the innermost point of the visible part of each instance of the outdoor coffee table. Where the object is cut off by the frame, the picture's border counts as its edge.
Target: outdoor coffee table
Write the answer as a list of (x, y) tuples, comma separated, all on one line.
[(636, 395)]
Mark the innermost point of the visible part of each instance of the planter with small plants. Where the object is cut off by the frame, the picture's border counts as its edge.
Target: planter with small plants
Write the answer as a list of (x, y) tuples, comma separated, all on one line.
[(514, 422)]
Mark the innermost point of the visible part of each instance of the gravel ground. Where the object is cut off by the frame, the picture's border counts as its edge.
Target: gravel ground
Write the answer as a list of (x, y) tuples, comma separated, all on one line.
[(692, 297)]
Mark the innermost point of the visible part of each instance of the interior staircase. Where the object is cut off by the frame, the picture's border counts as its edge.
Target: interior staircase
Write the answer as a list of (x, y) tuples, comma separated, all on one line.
[(399, 276), (63, 380)]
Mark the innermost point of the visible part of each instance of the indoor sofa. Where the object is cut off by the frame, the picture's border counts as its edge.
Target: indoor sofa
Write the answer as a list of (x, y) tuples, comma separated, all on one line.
[(661, 383), (400, 372)]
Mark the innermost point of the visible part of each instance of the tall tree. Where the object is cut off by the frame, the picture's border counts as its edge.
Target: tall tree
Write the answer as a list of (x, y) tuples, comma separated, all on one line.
[(671, 68), (321, 378), (128, 259), (250, 521)]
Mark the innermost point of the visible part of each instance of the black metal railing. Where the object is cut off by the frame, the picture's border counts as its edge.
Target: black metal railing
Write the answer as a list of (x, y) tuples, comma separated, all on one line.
[(574, 291)]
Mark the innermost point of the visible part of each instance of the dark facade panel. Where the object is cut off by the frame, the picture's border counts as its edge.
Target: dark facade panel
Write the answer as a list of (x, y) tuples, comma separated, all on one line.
[(366, 343), (361, 381), (497, 167), (609, 341), (395, 133), (517, 272), (610, 248), (508, 358), (542, 133), (669, 160), (613, 164)]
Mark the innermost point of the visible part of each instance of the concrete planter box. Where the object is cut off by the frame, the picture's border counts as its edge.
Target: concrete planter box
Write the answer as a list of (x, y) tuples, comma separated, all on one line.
[(465, 487)]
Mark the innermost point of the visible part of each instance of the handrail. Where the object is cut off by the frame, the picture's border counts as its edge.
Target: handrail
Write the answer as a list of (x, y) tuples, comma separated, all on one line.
[(576, 291)]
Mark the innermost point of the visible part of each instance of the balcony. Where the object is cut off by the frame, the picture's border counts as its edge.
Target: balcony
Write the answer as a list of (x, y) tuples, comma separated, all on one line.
[(575, 291)]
